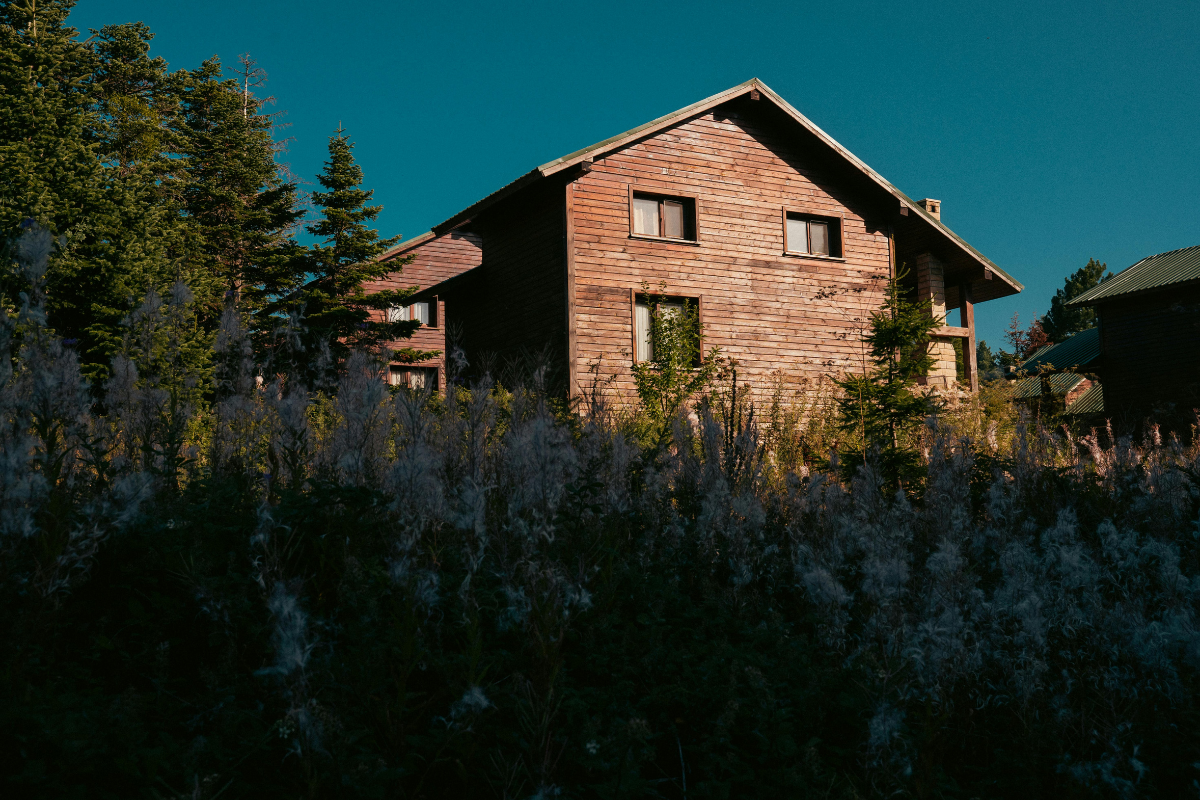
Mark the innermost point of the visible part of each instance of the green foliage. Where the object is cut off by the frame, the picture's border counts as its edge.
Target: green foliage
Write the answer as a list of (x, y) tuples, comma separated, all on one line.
[(366, 594), (1062, 321), (677, 370), (991, 367), (337, 310), (881, 405)]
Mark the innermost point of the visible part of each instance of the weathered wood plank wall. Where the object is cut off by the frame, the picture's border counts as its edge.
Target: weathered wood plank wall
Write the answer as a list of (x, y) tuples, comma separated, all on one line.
[(435, 258), (770, 311)]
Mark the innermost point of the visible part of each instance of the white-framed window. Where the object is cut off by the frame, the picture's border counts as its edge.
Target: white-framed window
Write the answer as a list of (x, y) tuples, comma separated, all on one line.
[(805, 234), (414, 377), (416, 311), (662, 216)]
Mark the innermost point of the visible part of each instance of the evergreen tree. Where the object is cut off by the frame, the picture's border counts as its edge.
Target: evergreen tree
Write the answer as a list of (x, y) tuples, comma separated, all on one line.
[(988, 362), (337, 310), (1063, 321), (61, 139), (881, 404), (48, 167), (242, 210)]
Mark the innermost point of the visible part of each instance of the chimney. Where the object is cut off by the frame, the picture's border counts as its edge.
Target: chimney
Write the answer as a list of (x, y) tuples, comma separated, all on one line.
[(934, 207)]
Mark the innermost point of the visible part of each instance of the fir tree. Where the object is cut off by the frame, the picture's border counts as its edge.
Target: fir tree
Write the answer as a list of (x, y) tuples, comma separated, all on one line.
[(242, 209), (337, 310), (988, 362), (1063, 321), (881, 405), (61, 136)]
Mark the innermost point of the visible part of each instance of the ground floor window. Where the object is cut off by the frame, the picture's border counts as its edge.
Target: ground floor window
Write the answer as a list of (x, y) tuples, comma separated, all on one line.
[(414, 377), (644, 310)]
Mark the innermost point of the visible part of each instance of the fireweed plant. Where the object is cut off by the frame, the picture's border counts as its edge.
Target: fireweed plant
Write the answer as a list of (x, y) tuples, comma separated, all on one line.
[(284, 590)]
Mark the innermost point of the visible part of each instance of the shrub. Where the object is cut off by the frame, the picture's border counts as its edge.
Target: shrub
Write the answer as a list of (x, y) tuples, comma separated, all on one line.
[(364, 593)]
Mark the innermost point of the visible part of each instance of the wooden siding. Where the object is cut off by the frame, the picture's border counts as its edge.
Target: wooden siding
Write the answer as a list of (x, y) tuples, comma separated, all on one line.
[(511, 316), (770, 311), (1148, 362), (434, 260)]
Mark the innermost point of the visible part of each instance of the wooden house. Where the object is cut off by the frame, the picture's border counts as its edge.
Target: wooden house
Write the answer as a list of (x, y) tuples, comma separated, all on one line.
[(427, 260), (1061, 378), (1148, 321), (737, 204)]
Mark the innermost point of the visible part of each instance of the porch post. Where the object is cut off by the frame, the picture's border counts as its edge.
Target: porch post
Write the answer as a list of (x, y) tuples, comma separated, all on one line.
[(970, 363)]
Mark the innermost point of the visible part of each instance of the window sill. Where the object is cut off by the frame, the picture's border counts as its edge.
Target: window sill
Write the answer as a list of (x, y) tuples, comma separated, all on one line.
[(839, 259), (644, 238)]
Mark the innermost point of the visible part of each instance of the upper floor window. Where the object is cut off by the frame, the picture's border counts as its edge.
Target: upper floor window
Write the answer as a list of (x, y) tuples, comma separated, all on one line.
[(663, 217), (419, 312), (805, 234)]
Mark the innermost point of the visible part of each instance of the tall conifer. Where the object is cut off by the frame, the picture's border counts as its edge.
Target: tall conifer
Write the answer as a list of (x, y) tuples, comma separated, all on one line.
[(1061, 321), (336, 308)]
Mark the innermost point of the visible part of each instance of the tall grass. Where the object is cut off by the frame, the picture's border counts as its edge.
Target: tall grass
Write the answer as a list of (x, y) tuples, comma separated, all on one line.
[(292, 591)]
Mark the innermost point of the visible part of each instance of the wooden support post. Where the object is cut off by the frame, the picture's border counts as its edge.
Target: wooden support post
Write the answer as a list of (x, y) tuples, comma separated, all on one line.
[(970, 365)]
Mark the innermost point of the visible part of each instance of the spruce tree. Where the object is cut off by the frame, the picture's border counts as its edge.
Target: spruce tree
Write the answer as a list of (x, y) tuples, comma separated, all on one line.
[(242, 210), (336, 309), (881, 404), (1062, 321), (59, 166)]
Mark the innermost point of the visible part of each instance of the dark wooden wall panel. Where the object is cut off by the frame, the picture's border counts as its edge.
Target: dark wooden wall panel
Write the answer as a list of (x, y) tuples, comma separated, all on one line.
[(512, 314), (1149, 355)]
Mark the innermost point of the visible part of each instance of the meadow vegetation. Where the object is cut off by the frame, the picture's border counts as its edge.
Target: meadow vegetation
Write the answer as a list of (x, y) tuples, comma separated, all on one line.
[(279, 586)]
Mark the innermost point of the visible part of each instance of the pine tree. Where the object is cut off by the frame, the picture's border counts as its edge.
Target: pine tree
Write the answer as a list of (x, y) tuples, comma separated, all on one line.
[(49, 169), (1063, 321), (242, 210), (336, 309), (60, 138), (881, 405)]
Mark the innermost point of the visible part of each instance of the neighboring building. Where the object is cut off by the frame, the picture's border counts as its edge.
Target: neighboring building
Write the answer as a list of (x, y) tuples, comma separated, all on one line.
[(1148, 320), (738, 204), (1063, 376), (434, 259)]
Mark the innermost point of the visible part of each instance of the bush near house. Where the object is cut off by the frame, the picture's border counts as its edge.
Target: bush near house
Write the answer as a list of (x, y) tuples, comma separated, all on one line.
[(359, 592)]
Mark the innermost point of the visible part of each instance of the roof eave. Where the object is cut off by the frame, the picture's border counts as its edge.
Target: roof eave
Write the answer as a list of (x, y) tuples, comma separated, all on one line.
[(621, 140)]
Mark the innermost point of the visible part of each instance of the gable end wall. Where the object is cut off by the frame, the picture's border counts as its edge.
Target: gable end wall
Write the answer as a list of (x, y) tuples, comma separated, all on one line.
[(800, 316)]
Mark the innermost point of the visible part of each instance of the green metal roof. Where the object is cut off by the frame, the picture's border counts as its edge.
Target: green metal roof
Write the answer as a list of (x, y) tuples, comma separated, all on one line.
[(1090, 402), (1153, 272), (1077, 352), (1060, 384)]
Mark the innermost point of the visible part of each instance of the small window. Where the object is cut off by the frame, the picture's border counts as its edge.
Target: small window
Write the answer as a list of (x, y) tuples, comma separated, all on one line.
[(414, 377), (643, 326), (420, 312), (815, 236), (664, 217)]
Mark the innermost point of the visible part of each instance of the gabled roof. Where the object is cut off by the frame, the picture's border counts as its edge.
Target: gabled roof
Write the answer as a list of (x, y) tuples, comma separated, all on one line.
[(1152, 272), (1077, 352), (753, 85)]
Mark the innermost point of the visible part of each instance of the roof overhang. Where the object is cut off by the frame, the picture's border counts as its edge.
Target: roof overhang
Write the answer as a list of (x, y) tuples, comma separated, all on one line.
[(904, 204)]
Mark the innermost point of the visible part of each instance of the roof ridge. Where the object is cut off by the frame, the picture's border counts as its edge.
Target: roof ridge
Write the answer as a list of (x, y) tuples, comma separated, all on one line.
[(1155, 271), (754, 84)]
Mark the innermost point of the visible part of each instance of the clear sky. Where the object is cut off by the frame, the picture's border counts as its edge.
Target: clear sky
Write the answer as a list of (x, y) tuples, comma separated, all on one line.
[(1052, 132)]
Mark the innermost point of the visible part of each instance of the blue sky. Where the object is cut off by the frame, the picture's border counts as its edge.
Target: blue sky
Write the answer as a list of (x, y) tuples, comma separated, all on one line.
[(1052, 132)]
